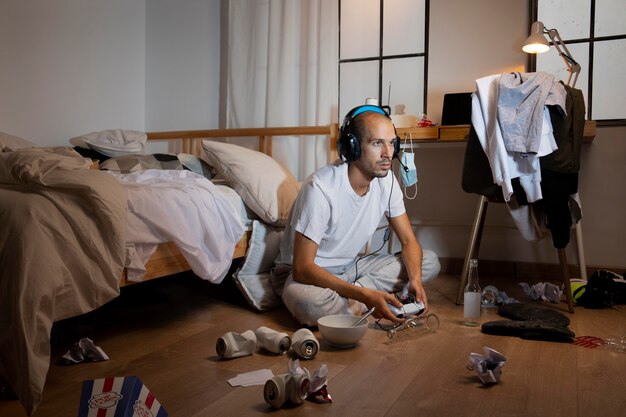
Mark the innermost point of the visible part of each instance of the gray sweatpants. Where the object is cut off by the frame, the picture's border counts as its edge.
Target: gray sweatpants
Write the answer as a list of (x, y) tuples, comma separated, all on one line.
[(307, 303)]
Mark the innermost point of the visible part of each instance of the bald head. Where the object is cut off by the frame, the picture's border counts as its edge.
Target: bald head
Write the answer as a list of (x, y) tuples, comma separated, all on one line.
[(363, 124)]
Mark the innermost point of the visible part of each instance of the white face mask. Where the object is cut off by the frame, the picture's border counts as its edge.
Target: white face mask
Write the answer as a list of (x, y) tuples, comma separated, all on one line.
[(408, 174)]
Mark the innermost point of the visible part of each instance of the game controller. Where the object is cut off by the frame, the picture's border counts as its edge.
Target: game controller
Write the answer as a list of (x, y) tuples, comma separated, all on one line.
[(410, 307)]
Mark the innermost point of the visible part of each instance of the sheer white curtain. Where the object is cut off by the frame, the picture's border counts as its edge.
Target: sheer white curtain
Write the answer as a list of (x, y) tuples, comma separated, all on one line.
[(282, 71)]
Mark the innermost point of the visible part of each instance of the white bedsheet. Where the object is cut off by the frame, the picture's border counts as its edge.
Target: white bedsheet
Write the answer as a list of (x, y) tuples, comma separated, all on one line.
[(184, 208), (245, 214)]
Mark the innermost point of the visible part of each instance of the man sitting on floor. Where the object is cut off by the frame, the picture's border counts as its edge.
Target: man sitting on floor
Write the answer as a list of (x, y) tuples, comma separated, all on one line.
[(318, 271)]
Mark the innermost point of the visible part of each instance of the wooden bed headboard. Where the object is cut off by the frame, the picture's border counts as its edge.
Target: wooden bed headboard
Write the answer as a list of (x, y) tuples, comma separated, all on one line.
[(191, 139)]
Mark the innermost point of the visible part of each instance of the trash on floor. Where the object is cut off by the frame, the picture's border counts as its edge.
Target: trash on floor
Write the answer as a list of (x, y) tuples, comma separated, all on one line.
[(488, 366), (492, 297), (544, 291), (302, 344), (413, 328), (119, 396), (272, 340), (83, 351), (319, 379), (234, 345), (618, 345), (248, 379), (588, 341), (296, 386)]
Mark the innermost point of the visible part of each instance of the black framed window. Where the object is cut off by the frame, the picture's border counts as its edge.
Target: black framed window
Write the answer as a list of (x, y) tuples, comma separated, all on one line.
[(383, 54), (595, 33)]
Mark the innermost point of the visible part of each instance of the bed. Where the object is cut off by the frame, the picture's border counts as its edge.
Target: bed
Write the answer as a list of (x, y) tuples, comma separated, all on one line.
[(68, 231)]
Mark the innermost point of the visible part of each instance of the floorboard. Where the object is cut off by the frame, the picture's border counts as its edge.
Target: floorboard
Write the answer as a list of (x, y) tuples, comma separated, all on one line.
[(165, 333)]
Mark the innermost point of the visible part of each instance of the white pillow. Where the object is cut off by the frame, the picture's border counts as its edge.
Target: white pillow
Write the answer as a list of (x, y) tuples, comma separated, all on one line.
[(10, 143), (253, 278), (113, 142), (267, 187), (114, 150)]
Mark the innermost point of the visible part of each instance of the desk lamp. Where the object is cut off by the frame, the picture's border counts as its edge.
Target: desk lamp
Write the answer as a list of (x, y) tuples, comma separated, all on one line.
[(538, 44)]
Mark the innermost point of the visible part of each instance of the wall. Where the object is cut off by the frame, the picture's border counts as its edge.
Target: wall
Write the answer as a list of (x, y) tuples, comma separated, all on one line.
[(471, 39), (603, 175), (182, 64), (71, 67), (77, 66)]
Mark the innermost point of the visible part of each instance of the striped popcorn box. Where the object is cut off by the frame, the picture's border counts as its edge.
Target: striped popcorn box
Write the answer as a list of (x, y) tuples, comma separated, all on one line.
[(118, 397)]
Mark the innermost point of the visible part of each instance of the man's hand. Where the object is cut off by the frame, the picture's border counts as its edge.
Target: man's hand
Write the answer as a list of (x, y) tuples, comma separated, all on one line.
[(380, 300), (417, 290), (411, 256)]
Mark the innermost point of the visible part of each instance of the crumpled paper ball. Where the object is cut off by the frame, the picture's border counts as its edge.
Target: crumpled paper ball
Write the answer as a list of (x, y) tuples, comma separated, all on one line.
[(488, 366), (544, 291), (83, 351)]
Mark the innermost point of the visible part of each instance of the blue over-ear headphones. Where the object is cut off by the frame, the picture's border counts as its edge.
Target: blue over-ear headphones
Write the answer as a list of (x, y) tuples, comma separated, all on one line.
[(348, 145)]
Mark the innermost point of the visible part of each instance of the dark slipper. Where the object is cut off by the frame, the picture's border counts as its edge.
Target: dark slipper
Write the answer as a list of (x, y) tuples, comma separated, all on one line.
[(530, 329), (525, 312)]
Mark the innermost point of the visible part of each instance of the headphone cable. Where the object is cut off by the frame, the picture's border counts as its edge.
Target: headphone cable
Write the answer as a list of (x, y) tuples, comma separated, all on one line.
[(385, 237)]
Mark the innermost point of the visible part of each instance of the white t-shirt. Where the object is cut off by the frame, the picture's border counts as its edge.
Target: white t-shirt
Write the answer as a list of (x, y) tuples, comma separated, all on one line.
[(331, 214)]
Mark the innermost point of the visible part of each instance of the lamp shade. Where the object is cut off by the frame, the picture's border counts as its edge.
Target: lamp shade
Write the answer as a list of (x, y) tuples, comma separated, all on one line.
[(536, 43)]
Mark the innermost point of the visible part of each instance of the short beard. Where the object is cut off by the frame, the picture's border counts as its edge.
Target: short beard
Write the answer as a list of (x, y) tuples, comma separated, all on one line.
[(381, 174)]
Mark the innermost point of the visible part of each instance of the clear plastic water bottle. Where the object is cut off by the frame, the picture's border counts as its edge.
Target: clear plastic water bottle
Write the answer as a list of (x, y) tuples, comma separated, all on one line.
[(472, 296)]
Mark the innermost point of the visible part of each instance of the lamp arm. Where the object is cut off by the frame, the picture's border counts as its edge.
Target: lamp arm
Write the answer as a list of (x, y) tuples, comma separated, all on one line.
[(573, 67)]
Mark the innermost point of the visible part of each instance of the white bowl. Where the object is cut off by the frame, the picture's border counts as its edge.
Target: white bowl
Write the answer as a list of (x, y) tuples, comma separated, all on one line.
[(339, 330)]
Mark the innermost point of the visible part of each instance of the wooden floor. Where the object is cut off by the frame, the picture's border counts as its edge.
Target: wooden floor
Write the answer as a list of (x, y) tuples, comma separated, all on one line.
[(165, 333)]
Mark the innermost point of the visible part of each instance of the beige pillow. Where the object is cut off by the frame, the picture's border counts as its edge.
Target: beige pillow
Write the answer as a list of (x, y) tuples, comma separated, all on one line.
[(10, 143), (266, 187)]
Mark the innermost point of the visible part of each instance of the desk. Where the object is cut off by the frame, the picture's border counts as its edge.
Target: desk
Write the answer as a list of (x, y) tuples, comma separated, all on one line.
[(459, 133), (436, 135)]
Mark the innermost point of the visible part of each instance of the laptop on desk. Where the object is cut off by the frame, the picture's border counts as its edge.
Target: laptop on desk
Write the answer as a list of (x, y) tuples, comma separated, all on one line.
[(457, 109)]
